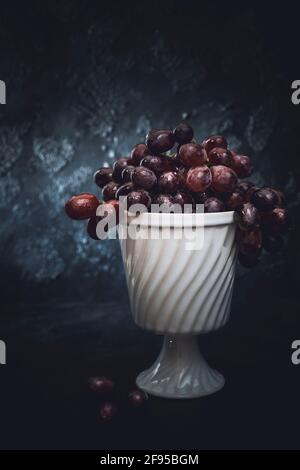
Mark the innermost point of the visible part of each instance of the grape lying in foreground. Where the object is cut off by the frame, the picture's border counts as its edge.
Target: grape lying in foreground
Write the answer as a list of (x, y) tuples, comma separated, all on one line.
[(171, 171)]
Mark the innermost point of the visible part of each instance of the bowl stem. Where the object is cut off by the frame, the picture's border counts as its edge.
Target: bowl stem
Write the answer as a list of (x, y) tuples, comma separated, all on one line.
[(180, 371)]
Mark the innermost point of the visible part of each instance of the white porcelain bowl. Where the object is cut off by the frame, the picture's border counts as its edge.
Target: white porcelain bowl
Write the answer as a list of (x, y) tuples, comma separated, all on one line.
[(180, 287)]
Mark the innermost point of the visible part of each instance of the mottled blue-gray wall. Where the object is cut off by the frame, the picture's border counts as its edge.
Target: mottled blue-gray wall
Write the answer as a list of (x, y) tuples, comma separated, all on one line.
[(85, 82)]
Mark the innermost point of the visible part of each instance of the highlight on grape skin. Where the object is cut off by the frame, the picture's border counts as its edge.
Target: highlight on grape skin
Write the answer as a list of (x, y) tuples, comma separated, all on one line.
[(81, 207), (173, 169)]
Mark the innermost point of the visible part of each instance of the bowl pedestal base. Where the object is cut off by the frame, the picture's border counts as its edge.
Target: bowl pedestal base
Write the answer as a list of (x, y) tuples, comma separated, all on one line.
[(180, 371)]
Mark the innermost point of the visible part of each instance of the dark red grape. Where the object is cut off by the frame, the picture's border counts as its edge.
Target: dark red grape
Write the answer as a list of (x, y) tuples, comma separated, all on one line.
[(224, 179), (165, 200), (101, 385), (143, 178), (158, 164), (213, 204), (92, 227), (220, 156), (275, 221), (272, 243), (264, 199), (247, 216), (139, 152), (242, 165), (139, 197), (198, 179), (109, 191), (235, 199), (118, 167), (160, 140), (126, 173), (214, 141), (168, 182), (192, 155), (103, 176), (183, 133), (137, 397), (124, 190), (250, 243), (108, 411), (184, 198), (81, 207), (248, 261)]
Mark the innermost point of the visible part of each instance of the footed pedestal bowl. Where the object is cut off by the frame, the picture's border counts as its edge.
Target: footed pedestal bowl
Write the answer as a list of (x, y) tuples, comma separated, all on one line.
[(180, 272)]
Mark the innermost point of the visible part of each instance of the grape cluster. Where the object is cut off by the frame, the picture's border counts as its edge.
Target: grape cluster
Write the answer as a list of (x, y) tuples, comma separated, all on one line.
[(173, 169)]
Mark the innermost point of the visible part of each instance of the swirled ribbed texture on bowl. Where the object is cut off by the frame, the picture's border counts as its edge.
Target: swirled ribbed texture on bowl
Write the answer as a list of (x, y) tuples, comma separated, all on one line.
[(176, 290)]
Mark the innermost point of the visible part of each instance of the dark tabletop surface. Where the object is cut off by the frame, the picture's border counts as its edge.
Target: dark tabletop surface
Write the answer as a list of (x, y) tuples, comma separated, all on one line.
[(46, 404)]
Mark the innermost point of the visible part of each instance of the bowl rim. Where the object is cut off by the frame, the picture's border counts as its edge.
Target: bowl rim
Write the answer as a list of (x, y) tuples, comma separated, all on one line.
[(155, 219)]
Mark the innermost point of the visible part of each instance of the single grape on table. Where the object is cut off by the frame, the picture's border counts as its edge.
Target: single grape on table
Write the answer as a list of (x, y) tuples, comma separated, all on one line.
[(108, 411), (173, 171)]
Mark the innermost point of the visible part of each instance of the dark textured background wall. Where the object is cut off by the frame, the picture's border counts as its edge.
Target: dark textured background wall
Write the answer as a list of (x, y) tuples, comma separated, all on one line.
[(86, 80)]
